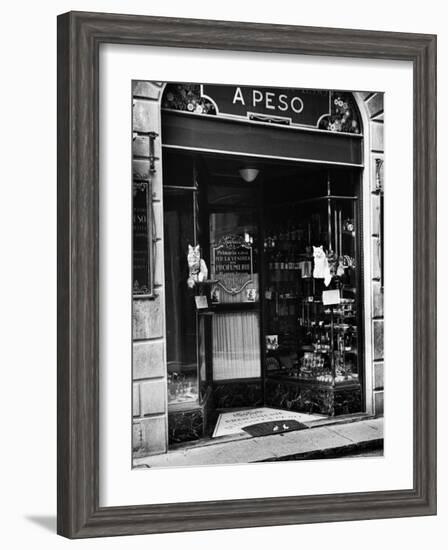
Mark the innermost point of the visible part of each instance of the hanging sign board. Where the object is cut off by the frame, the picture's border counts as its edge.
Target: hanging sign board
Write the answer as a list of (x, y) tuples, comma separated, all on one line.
[(283, 105), (233, 257), (233, 263)]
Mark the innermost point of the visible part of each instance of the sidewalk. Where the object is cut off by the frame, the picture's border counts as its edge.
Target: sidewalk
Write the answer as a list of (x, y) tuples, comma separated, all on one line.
[(323, 441)]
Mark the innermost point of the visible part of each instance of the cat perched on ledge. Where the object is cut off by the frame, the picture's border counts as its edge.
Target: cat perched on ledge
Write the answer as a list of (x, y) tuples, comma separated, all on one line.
[(198, 271)]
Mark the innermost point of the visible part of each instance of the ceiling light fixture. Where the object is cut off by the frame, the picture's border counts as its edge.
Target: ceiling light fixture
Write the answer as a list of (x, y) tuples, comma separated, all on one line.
[(249, 174)]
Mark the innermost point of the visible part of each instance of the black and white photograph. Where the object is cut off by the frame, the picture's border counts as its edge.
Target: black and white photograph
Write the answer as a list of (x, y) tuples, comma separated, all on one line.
[(222, 270), (258, 279)]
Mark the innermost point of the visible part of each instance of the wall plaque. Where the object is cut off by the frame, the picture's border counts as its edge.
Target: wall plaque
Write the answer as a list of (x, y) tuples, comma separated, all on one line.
[(142, 238)]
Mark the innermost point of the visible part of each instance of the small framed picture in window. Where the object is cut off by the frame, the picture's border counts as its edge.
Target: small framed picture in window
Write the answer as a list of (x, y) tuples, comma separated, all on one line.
[(251, 294)]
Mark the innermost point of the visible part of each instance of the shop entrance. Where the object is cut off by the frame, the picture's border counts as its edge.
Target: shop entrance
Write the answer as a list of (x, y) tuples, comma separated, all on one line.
[(262, 288)]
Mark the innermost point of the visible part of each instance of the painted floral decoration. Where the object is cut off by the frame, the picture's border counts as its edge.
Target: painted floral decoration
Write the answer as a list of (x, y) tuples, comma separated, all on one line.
[(344, 115), (186, 97)]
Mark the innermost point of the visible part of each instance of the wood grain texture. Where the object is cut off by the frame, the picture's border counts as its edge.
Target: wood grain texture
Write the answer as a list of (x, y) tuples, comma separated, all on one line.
[(79, 38)]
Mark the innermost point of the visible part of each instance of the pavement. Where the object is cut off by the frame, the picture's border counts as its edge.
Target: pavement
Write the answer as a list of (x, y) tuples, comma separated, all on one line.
[(353, 438)]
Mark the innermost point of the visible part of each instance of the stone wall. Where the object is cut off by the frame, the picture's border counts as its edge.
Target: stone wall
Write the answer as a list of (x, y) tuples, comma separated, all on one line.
[(150, 423)]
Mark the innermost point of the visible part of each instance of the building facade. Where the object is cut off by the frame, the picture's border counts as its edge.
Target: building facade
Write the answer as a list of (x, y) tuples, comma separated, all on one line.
[(257, 325)]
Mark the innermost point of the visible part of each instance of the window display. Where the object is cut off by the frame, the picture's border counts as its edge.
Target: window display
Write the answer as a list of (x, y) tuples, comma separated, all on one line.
[(181, 323), (312, 289)]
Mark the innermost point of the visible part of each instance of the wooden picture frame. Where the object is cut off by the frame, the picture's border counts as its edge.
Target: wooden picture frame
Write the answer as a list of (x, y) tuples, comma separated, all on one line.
[(79, 38)]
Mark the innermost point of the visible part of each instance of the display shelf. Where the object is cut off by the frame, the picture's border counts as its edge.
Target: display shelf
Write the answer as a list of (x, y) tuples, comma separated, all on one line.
[(280, 377), (206, 282)]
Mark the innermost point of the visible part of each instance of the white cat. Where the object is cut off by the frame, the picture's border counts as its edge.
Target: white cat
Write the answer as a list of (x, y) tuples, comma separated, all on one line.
[(198, 271), (321, 266)]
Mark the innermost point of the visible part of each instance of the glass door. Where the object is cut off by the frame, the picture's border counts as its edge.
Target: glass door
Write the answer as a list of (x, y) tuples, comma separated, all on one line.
[(230, 236), (235, 294)]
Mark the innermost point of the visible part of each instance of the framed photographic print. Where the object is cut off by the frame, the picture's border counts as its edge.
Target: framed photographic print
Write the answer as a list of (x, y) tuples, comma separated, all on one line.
[(246, 274)]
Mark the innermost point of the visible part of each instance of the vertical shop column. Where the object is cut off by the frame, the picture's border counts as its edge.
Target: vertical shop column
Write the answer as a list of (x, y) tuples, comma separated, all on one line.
[(374, 108)]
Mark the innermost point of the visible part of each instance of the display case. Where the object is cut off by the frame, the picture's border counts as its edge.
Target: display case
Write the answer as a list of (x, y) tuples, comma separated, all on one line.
[(312, 320)]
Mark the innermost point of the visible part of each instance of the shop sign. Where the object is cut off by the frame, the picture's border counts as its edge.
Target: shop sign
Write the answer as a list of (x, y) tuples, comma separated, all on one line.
[(286, 105), (233, 255), (233, 263)]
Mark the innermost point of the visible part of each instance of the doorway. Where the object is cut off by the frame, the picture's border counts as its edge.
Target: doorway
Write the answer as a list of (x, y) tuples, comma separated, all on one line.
[(277, 319)]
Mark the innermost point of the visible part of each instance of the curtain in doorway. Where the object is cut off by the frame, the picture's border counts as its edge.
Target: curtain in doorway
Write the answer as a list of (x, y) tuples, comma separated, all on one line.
[(236, 345)]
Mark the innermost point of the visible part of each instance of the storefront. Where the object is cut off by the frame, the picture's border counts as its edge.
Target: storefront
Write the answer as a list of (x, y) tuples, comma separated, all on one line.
[(257, 256)]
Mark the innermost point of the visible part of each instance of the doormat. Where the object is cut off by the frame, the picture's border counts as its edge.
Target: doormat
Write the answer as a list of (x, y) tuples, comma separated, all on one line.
[(273, 428), (233, 422)]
